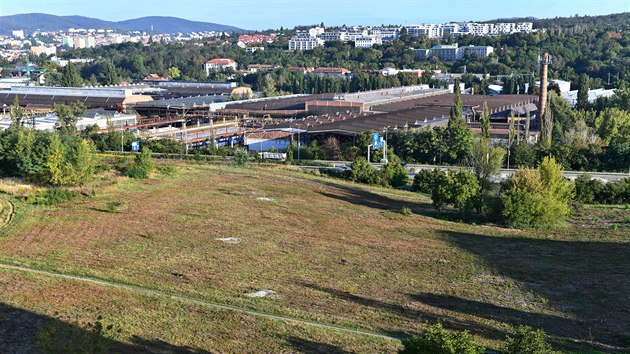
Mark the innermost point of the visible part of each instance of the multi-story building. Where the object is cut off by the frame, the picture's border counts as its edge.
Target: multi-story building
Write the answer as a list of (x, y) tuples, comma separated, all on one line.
[(468, 28), (480, 50), (367, 41), (452, 52), (219, 64), (305, 43), (19, 34), (364, 37), (41, 49)]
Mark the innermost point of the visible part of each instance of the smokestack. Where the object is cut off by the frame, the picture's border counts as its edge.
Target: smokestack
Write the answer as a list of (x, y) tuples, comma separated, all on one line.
[(542, 102)]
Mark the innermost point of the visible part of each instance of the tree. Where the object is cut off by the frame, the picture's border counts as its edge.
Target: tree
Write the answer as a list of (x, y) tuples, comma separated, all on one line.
[(436, 340), (459, 135), (486, 161), (332, 148), (582, 96), (56, 161), (70, 76), (68, 116), (175, 74), (110, 75), (537, 198), (16, 113), (84, 161), (485, 122)]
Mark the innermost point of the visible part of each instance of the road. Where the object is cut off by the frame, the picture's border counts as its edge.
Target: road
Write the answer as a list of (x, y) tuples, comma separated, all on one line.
[(503, 175)]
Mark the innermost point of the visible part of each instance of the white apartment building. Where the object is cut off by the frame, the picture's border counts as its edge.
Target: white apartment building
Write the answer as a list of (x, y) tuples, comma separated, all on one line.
[(219, 64), (452, 52), (470, 28), (364, 37), (305, 43), (367, 41)]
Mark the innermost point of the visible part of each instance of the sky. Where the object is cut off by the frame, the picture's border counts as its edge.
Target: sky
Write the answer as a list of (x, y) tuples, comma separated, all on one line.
[(264, 14)]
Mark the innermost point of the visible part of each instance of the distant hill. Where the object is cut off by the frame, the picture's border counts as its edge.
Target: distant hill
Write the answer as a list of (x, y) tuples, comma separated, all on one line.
[(43, 22), (174, 25)]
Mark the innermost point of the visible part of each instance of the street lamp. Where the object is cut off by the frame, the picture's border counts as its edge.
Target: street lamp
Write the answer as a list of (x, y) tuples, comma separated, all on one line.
[(385, 145), (298, 143)]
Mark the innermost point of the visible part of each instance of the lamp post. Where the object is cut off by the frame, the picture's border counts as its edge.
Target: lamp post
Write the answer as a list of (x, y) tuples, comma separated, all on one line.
[(298, 142), (385, 145)]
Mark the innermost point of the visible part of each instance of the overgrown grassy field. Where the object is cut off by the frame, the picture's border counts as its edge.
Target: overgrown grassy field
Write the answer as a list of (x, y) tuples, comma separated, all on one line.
[(334, 252)]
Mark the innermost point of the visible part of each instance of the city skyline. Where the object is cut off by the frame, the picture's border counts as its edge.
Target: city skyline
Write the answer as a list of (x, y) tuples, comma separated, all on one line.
[(258, 15)]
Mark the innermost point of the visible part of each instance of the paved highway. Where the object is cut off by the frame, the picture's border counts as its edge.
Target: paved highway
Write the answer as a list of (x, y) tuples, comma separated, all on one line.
[(504, 174)]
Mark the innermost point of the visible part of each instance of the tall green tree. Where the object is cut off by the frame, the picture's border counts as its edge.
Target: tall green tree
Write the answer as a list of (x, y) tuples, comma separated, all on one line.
[(16, 113), (485, 122), (68, 116), (459, 135), (582, 96), (70, 76), (110, 74)]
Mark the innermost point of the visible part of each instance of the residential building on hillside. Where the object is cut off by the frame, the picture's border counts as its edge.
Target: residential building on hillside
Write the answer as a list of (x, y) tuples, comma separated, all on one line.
[(468, 28), (452, 52), (219, 64), (305, 43)]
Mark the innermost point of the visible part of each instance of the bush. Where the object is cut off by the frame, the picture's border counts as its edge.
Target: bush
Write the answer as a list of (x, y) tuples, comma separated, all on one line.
[(525, 340), (167, 170), (537, 198), (436, 340), (363, 172), (52, 196), (455, 188), (394, 174), (423, 181), (142, 166), (587, 188), (116, 206), (241, 156)]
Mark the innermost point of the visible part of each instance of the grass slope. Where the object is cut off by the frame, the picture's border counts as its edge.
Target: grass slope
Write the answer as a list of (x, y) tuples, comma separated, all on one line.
[(334, 252)]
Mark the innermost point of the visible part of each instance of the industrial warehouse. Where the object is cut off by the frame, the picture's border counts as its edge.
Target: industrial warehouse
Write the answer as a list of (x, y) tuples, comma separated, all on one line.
[(200, 114)]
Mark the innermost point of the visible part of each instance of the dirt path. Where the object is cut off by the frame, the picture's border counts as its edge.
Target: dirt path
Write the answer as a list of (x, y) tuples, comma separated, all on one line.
[(150, 292)]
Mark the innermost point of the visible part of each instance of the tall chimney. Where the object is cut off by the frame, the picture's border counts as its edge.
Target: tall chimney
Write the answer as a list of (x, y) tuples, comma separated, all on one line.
[(542, 102)]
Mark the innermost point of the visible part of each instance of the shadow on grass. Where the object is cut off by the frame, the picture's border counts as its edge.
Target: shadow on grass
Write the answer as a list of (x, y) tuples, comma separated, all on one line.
[(411, 314), (360, 196), (311, 347), (587, 281), (19, 330)]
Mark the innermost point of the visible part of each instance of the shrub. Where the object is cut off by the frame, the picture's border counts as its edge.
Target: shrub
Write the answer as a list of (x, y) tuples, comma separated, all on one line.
[(394, 174), (587, 188), (363, 172), (116, 206), (142, 166), (525, 340), (423, 181), (241, 156), (537, 198), (455, 188), (436, 340), (167, 170), (52, 196), (406, 211)]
